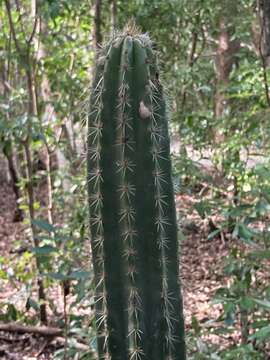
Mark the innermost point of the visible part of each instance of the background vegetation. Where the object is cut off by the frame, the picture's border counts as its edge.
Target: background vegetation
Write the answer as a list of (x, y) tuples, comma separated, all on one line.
[(215, 57)]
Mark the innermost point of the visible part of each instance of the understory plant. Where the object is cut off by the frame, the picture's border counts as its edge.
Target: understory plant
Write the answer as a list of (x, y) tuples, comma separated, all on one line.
[(132, 212)]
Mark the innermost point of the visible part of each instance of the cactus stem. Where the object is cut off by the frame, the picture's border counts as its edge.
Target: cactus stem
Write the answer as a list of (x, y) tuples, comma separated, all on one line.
[(127, 190), (132, 214), (96, 176), (136, 354), (96, 201), (95, 133), (125, 165), (127, 214)]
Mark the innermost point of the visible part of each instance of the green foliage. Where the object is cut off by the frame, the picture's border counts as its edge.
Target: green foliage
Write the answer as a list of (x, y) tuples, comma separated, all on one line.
[(229, 180)]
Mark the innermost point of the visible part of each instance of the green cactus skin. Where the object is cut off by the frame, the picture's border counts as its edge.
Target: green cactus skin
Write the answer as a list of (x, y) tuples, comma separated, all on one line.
[(133, 226)]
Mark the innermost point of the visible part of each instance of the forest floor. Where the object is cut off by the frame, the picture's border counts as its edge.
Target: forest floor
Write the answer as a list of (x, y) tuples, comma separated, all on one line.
[(201, 272)]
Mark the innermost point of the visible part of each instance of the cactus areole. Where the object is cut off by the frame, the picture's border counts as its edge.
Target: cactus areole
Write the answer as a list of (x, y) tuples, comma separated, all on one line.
[(132, 212)]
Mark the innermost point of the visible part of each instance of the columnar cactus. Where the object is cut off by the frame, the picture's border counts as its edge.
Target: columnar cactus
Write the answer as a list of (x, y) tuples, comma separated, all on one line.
[(132, 212)]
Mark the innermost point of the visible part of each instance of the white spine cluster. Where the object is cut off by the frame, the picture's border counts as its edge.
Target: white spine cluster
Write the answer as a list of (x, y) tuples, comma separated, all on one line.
[(127, 213), (161, 220)]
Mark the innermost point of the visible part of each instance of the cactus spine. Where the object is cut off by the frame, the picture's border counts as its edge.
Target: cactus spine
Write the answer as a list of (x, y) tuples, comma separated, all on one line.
[(132, 213)]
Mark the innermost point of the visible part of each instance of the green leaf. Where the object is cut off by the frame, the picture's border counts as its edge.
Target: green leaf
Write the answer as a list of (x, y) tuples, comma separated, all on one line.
[(239, 210), (262, 171), (44, 250), (263, 303), (202, 208), (261, 334), (44, 225), (246, 303), (260, 254), (181, 236), (77, 275), (244, 233), (262, 207), (57, 276), (229, 310), (213, 234), (31, 303), (195, 325), (259, 324), (12, 312)]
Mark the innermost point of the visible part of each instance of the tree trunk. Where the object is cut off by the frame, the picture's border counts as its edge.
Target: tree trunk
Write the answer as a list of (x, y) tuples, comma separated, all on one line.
[(31, 201), (264, 14), (97, 24), (113, 15), (48, 116), (264, 42), (18, 215), (225, 58)]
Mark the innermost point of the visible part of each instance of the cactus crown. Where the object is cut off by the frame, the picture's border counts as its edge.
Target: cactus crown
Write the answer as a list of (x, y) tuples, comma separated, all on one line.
[(132, 212)]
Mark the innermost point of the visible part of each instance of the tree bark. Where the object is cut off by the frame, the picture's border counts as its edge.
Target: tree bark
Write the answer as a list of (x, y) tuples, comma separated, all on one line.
[(225, 58), (264, 42), (224, 61), (113, 15), (18, 215), (264, 14), (48, 116), (97, 24)]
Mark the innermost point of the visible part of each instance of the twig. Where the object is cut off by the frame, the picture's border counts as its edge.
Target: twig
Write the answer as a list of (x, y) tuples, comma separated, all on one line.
[(33, 31), (65, 293), (12, 28), (43, 347)]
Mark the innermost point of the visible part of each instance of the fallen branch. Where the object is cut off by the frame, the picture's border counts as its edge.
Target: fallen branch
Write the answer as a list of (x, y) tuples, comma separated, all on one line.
[(39, 330)]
